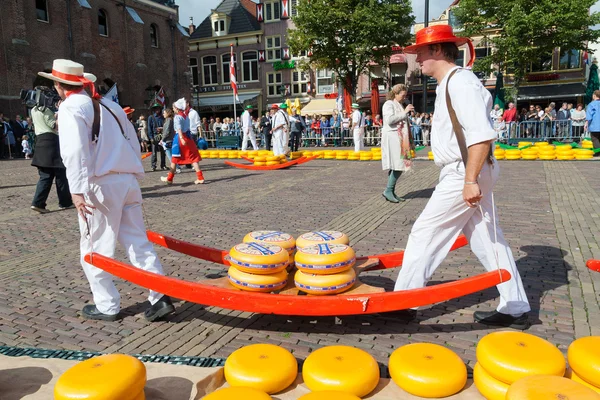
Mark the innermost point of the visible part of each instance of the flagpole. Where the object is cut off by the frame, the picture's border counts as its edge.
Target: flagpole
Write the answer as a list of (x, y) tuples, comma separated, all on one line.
[(231, 62)]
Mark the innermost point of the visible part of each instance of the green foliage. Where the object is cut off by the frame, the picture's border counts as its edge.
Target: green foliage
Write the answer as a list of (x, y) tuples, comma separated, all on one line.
[(345, 35), (528, 30)]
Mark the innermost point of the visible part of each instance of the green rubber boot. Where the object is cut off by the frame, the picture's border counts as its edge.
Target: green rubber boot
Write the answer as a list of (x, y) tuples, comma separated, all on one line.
[(397, 175), (389, 189)]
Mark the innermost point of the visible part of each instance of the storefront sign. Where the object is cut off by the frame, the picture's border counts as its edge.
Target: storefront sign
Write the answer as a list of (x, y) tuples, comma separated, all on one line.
[(228, 87), (207, 89), (542, 77), (326, 89), (278, 65)]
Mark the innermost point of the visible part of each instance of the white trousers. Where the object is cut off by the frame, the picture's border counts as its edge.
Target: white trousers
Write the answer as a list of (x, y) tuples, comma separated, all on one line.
[(278, 142), (359, 135), (249, 135), (117, 218), (437, 228)]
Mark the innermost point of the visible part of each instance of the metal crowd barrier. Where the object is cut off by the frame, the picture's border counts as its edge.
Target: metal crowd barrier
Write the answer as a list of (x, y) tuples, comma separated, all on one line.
[(540, 131)]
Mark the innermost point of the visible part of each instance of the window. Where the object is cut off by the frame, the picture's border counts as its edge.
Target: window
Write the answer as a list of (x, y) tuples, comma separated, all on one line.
[(325, 82), (543, 64), (41, 9), (273, 48), (274, 84), (225, 58), (460, 61), (272, 11), (302, 54), (219, 26), (209, 70), (102, 23), (570, 59), (153, 35), (299, 82), (294, 4), (481, 52), (194, 71), (398, 72), (250, 66)]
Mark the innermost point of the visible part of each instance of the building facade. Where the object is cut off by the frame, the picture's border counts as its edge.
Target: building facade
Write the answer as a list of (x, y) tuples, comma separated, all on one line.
[(137, 44)]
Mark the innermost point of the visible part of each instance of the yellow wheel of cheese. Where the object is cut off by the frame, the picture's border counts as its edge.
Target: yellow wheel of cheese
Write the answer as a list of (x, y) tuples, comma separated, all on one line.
[(549, 387), (328, 395), (499, 157), (264, 152), (235, 393), (513, 152), (512, 157), (541, 144), (265, 367), (324, 259), (204, 154), (509, 356), (576, 378), (272, 163), (561, 157), (272, 158), (547, 157), (341, 368), (110, 377), (584, 358), (376, 149), (583, 152), (320, 237), (261, 159), (253, 153), (341, 153), (280, 239), (528, 157), (325, 284), (521, 144), (427, 370), (376, 158), (583, 157), (260, 164), (329, 157), (257, 283), (307, 154), (490, 387), (256, 258), (223, 155)]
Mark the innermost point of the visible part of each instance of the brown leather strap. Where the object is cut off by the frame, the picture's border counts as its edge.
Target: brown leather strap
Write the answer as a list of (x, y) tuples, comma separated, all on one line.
[(116, 119), (96, 123), (458, 131)]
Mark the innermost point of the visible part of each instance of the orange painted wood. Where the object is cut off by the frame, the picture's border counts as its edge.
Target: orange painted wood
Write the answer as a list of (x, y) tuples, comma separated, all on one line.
[(146, 155), (268, 303), (247, 159), (594, 265), (262, 167)]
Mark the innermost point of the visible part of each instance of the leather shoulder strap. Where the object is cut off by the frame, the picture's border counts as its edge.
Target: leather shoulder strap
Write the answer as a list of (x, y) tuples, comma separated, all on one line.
[(116, 119), (96, 123), (458, 131)]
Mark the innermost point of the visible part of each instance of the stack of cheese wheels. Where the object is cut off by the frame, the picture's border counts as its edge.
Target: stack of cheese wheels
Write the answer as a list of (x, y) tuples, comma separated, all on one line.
[(354, 155), (204, 154), (329, 154), (587, 144), (233, 154), (584, 362), (230, 393), (499, 154), (376, 149), (265, 153), (252, 154), (295, 155), (265, 367), (505, 357), (530, 153), (270, 160), (583, 154), (321, 237), (325, 269), (376, 153), (430, 155), (523, 144), (213, 154), (341, 155), (258, 267), (341, 368), (549, 387), (512, 154), (547, 152), (565, 152), (319, 153), (308, 154), (427, 370), (366, 156), (281, 239), (261, 161), (107, 377)]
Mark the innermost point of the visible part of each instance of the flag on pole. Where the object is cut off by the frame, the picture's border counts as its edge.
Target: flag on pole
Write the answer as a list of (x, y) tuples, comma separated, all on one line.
[(112, 94), (159, 97), (232, 75)]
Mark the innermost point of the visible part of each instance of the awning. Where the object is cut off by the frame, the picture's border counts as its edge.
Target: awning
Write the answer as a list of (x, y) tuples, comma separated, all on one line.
[(223, 100), (320, 106), (551, 91), (398, 59)]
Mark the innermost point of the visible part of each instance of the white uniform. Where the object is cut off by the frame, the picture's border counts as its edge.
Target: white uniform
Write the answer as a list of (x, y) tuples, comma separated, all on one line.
[(105, 173), (446, 213), (194, 118), (280, 145), (248, 130), (358, 132)]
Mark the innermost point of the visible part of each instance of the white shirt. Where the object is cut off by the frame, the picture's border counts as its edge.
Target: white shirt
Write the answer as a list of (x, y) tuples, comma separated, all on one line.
[(472, 103), (112, 153), (194, 121), (357, 119), (246, 120), (280, 118), (495, 114)]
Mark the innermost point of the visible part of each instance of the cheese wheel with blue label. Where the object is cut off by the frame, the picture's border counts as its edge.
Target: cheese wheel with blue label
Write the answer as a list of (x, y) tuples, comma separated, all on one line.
[(257, 283), (322, 237), (256, 258), (325, 284), (325, 259), (281, 239)]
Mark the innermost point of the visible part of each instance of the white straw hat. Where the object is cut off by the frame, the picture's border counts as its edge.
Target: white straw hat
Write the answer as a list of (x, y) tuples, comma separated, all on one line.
[(181, 104), (68, 72)]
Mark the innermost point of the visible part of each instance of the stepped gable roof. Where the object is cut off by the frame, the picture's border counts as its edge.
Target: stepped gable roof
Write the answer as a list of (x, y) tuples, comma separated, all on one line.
[(242, 20)]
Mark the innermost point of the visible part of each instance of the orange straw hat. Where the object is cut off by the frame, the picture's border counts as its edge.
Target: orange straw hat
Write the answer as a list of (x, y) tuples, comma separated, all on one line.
[(128, 110), (440, 34)]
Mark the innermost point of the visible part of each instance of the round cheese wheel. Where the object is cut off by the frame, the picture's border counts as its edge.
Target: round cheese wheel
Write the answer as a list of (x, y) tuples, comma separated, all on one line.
[(547, 157), (265, 367), (272, 158), (528, 157), (427, 370), (541, 144), (325, 284), (278, 238), (320, 237), (509, 356), (574, 377), (260, 159), (107, 377), (236, 393), (507, 157), (328, 395), (341, 368), (513, 152), (256, 258), (257, 283), (260, 164), (272, 163), (325, 258), (584, 358), (549, 387), (378, 149), (562, 157), (578, 157), (490, 387)]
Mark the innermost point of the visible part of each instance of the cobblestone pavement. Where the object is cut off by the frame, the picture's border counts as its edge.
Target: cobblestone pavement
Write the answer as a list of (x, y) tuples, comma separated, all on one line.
[(548, 210)]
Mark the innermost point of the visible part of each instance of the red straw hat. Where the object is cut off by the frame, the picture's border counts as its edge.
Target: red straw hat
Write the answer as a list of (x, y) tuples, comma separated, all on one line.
[(128, 110), (275, 106), (440, 34)]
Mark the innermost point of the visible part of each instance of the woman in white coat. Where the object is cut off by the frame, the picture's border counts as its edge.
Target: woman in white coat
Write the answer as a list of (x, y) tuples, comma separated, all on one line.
[(396, 140)]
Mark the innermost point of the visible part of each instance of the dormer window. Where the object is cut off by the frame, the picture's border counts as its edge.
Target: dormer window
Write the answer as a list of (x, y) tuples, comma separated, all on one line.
[(219, 27)]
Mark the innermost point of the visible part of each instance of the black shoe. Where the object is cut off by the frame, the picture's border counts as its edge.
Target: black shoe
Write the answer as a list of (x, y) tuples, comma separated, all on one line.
[(91, 312), (66, 207), (401, 315), (41, 210), (161, 308), (153, 169), (164, 168), (496, 318)]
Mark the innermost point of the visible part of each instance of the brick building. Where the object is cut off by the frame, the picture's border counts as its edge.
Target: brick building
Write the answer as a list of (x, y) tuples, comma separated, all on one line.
[(137, 44)]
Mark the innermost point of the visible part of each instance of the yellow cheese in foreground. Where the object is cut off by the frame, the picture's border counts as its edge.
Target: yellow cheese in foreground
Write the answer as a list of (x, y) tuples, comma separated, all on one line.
[(541, 387)]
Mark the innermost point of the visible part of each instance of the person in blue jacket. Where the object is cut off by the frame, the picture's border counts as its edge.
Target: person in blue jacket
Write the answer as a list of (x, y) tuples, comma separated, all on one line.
[(592, 115)]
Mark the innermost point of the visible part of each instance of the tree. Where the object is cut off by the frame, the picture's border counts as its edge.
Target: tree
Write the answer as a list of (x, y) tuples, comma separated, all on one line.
[(521, 32), (593, 84), (345, 35)]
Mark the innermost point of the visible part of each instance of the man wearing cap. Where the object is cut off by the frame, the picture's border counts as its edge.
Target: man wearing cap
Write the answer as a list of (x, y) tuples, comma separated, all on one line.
[(248, 129), (155, 124), (358, 127), (280, 129), (99, 149), (462, 133)]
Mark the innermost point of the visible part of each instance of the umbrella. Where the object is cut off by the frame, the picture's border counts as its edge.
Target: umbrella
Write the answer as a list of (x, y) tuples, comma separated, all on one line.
[(374, 97), (592, 84), (499, 91)]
